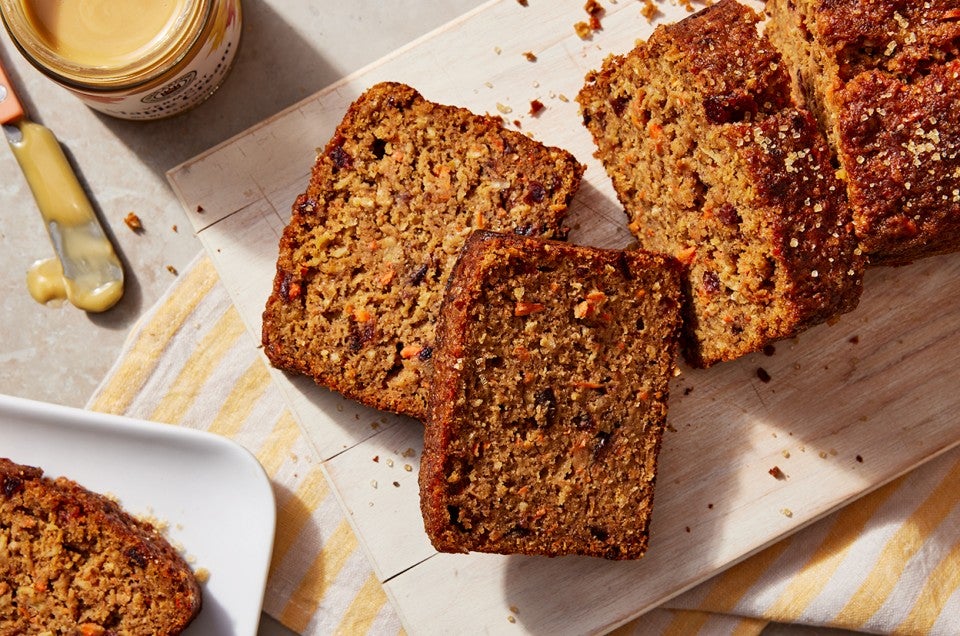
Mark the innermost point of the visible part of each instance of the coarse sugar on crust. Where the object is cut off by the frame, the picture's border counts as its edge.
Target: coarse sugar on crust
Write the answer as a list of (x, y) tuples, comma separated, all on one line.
[(882, 78), (73, 562), (365, 256), (549, 401), (716, 165)]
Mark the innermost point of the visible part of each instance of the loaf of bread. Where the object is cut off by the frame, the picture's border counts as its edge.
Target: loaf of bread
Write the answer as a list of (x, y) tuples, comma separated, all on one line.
[(552, 368), (883, 77), (366, 254), (73, 562), (715, 164)]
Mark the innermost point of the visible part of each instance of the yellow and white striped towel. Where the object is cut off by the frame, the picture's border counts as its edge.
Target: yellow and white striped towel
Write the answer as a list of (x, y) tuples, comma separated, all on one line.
[(887, 563)]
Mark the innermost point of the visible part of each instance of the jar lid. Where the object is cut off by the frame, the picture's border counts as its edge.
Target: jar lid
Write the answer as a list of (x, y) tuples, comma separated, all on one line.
[(104, 44)]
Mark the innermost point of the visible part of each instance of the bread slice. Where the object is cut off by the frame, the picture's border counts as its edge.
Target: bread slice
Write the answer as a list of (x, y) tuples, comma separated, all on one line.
[(73, 562), (883, 77), (552, 371), (716, 165), (366, 254)]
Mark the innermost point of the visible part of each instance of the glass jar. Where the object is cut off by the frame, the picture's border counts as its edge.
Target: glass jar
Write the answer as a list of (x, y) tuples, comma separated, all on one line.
[(132, 59)]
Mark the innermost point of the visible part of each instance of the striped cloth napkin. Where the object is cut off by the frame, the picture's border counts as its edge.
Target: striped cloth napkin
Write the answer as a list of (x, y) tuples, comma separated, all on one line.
[(889, 563)]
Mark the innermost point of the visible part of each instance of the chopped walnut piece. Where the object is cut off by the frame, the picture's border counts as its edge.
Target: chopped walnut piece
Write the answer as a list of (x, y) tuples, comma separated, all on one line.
[(536, 107)]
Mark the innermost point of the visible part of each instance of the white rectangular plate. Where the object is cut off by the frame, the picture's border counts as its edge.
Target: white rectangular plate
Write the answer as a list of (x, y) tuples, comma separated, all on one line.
[(211, 492)]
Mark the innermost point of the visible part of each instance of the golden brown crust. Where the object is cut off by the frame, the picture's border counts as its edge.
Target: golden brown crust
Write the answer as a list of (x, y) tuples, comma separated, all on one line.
[(392, 197), (72, 560), (881, 76), (899, 37), (552, 370), (714, 164), (900, 146)]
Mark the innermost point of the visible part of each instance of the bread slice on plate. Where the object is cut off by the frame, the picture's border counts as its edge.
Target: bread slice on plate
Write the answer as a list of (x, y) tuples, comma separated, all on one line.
[(552, 370), (73, 562), (366, 254)]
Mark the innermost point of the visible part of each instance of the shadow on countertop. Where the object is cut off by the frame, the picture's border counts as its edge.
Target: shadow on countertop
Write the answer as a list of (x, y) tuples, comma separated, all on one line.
[(275, 67)]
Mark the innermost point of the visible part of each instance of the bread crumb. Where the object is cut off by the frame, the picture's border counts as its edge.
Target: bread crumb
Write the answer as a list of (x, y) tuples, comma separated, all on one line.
[(777, 474), (786, 512), (595, 10), (172, 270), (649, 10), (133, 222), (202, 575), (530, 55)]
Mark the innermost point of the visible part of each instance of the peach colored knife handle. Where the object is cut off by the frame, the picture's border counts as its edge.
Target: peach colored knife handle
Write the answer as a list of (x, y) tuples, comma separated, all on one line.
[(10, 108)]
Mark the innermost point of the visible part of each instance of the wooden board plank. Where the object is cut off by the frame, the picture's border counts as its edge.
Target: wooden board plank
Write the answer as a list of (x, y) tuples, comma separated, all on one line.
[(849, 406)]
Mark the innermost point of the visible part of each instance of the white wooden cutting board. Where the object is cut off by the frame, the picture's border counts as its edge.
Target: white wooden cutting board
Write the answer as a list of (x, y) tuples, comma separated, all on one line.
[(849, 406)]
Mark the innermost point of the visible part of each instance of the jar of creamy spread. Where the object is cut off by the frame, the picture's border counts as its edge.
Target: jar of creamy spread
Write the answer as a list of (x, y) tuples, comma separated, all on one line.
[(133, 59)]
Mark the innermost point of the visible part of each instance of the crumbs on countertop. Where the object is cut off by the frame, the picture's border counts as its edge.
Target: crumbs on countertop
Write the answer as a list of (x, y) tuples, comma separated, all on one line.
[(133, 222)]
